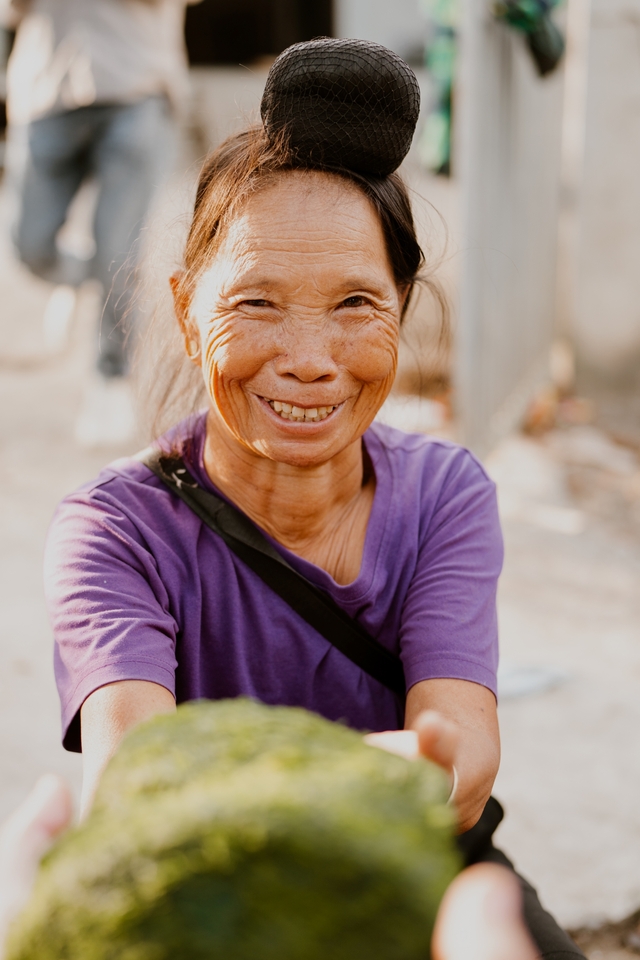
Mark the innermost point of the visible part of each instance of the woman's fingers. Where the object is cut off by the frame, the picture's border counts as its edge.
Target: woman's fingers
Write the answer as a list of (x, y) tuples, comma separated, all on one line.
[(24, 839), (480, 918), (402, 742), (432, 737), (438, 738)]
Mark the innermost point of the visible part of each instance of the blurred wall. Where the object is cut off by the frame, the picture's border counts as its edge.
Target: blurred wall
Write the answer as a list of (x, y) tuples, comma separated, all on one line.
[(399, 24), (509, 136), (607, 308)]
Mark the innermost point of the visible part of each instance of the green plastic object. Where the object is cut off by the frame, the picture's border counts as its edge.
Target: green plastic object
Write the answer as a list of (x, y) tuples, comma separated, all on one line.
[(239, 831)]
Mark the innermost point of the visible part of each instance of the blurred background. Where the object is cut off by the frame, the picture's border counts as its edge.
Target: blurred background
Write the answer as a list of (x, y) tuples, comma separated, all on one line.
[(524, 175)]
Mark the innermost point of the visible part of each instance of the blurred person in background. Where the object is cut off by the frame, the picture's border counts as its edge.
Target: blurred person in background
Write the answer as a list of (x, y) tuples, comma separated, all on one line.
[(95, 86)]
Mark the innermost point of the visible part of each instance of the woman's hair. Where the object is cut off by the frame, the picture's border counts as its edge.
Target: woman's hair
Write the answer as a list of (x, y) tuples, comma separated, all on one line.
[(243, 164), (247, 161)]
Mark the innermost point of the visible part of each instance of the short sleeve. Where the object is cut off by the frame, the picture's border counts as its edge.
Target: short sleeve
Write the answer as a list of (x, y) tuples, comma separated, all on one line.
[(107, 604), (449, 621)]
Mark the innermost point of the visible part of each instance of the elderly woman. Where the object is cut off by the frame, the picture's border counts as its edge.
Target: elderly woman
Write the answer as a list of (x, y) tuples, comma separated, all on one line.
[(298, 270)]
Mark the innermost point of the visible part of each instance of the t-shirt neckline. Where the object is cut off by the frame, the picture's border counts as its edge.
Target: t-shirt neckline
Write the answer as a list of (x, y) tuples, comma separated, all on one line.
[(375, 536)]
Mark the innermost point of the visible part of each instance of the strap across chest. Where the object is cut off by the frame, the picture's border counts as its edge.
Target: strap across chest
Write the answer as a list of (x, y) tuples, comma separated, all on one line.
[(315, 606)]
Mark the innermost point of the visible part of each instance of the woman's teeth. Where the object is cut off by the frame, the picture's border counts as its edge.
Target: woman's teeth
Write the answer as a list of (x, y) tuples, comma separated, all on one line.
[(300, 414)]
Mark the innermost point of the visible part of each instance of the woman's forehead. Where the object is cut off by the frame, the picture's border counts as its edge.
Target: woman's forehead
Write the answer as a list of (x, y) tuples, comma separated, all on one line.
[(301, 215)]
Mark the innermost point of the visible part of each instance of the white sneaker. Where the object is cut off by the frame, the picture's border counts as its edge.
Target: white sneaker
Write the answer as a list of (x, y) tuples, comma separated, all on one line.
[(107, 416), (58, 314)]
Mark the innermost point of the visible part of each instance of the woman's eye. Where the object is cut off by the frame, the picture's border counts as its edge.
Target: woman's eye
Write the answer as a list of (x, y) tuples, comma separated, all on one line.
[(255, 303), (354, 302)]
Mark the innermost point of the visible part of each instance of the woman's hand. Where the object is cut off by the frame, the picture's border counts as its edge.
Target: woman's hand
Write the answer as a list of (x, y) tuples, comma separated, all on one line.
[(438, 739), (454, 724), (433, 737), (457, 725)]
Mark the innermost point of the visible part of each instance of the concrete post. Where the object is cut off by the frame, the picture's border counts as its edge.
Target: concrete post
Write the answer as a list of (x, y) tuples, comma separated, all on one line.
[(508, 150), (606, 323)]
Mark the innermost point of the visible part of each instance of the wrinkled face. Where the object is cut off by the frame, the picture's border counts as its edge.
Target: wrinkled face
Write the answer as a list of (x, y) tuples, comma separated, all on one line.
[(298, 320)]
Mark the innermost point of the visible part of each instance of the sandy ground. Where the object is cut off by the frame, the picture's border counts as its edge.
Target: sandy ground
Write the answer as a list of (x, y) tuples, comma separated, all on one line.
[(569, 611)]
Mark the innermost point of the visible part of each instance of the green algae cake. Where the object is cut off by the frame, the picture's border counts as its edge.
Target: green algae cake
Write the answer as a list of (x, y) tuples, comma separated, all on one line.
[(238, 831)]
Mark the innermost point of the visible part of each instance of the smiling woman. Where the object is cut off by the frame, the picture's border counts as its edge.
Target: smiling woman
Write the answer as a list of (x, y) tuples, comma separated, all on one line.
[(298, 269)]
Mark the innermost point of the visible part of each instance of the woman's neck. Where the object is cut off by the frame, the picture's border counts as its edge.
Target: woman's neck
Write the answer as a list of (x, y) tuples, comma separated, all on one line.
[(300, 507)]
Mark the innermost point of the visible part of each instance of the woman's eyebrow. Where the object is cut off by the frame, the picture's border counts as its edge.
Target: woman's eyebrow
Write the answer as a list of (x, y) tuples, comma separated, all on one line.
[(365, 283), (242, 284), (341, 286)]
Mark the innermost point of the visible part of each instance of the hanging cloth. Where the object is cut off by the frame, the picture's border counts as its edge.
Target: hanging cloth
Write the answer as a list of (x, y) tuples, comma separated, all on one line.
[(533, 18)]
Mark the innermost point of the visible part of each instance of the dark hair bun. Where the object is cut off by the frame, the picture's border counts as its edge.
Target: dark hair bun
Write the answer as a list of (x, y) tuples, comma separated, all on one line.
[(342, 103)]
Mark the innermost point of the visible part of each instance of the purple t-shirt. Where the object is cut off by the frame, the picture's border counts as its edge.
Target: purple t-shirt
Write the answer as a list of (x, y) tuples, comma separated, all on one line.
[(138, 588)]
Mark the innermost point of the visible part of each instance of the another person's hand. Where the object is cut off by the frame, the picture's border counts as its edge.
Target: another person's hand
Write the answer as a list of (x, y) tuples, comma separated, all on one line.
[(24, 839), (480, 918)]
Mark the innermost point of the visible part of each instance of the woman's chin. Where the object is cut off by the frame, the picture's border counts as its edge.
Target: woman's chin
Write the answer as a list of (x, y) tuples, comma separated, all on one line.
[(300, 452)]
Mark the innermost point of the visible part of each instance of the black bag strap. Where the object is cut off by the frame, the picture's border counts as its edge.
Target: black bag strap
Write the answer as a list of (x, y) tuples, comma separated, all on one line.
[(315, 607)]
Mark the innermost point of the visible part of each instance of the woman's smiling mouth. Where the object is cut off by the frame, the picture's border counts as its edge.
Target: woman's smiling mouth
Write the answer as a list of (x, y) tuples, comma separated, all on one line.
[(289, 411)]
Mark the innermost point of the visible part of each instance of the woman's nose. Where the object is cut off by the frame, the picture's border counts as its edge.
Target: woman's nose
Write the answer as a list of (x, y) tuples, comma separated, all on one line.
[(307, 358)]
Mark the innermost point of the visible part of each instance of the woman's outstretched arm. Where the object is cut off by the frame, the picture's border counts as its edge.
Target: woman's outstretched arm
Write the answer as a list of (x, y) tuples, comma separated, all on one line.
[(459, 727), (106, 716)]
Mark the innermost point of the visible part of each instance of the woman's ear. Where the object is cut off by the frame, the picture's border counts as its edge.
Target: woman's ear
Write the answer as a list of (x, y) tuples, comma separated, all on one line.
[(404, 292), (181, 306)]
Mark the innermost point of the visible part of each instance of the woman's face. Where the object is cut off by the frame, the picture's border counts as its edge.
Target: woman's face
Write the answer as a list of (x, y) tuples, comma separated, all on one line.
[(298, 320)]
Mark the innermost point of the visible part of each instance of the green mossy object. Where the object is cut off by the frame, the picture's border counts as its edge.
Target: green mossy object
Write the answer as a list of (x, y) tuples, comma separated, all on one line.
[(238, 831)]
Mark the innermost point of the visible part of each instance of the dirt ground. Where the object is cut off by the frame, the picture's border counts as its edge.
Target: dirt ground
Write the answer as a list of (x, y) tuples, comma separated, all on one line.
[(569, 614), (570, 609), (610, 941)]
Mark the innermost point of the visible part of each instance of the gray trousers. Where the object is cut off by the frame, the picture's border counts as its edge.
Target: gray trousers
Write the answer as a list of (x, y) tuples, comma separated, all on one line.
[(126, 148)]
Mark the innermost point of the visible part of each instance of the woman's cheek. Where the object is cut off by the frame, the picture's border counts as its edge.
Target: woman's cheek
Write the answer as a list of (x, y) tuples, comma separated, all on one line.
[(372, 351), (234, 352)]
